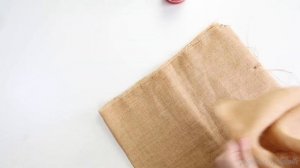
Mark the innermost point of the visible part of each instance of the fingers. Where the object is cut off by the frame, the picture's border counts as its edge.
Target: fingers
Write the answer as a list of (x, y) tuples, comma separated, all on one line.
[(246, 154), (236, 155), (230, 158)]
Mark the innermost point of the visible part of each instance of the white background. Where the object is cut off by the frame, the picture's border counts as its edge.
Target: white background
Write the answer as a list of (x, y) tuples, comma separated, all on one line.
[(61, 60)]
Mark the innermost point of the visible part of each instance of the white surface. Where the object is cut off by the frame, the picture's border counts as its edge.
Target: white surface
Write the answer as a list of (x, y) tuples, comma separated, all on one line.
[(60, 61)]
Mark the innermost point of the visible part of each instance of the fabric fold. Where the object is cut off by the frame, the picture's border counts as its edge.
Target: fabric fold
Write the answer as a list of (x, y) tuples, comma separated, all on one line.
[(271, 122)]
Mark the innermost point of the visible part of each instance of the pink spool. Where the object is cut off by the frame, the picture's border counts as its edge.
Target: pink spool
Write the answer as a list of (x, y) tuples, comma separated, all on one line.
[(175, 1)]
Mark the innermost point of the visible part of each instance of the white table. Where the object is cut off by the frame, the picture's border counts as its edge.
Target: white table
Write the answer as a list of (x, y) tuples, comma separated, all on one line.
[(61, 60)]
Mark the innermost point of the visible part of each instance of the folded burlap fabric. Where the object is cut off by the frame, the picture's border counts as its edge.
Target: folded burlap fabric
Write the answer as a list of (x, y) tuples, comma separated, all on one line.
[(167, 119), (271, 122)]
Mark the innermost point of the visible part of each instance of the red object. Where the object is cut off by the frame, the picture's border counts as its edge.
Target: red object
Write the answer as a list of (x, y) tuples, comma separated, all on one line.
[(175, 1)]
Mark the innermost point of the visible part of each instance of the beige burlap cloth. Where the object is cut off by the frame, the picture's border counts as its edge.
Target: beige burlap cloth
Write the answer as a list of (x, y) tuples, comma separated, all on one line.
[(167, 119)]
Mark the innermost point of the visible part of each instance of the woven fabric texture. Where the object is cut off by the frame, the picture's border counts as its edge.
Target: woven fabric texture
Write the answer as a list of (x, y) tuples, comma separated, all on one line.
[(167, 120)]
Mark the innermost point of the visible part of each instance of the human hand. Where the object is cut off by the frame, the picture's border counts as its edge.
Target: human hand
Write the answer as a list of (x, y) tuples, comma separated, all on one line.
[(236, 155)]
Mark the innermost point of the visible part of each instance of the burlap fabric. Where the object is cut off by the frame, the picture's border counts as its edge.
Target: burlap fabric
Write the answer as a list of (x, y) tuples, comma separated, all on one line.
[(166, 120)]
